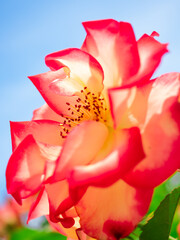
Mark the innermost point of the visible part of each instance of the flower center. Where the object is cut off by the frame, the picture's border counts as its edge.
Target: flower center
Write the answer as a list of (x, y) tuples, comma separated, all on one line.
[(89, 106)]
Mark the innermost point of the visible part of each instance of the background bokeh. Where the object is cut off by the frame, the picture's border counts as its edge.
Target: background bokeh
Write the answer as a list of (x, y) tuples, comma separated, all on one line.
[(29, 30)]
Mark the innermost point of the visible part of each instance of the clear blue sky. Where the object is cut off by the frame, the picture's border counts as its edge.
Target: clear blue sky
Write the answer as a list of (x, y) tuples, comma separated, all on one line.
[(29, 30)]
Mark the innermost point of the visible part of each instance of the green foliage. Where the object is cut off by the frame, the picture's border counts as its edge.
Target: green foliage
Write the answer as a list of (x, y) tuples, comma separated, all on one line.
[(30, 234), (160, 193), (162, 190), (159, 226)]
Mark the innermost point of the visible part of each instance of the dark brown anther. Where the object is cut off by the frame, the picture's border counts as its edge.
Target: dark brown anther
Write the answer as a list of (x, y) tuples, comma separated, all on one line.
[(68, 103)]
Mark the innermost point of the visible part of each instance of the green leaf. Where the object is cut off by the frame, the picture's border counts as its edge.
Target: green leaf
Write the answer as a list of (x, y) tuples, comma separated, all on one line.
[(30, 234), (159, 226), (49, 236), (22, 233), (163, 189)]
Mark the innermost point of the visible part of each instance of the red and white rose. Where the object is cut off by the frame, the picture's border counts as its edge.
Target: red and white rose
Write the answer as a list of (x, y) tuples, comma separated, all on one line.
[(107, 135)]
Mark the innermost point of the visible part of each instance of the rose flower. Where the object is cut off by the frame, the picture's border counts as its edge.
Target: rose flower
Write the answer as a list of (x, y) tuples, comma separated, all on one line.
[(107, 135)]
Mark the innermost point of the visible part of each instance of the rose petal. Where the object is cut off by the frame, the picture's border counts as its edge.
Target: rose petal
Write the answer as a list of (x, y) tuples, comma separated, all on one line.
[(46, 131), (59, 201), (154, 34), (52, 153), (80, 147), (67, 87), (112, 212), (160, 133), (46, 113), (119, 99), (129, 105), (150, 53), (81, 235), (24, 174), (55, 101), (40, 206), (118, 163), (114, 45), (83, 67), (69, 232), (124, 60)]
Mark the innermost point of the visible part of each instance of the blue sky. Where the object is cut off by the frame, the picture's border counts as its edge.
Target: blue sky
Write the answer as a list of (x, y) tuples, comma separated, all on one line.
[(29, 30)]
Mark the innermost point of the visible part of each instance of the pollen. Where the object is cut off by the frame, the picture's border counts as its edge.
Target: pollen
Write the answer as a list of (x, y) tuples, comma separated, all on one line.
[(89, 106)]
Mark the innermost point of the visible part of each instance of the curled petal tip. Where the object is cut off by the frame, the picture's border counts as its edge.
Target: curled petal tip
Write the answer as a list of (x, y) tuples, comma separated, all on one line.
[(154, 34)]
